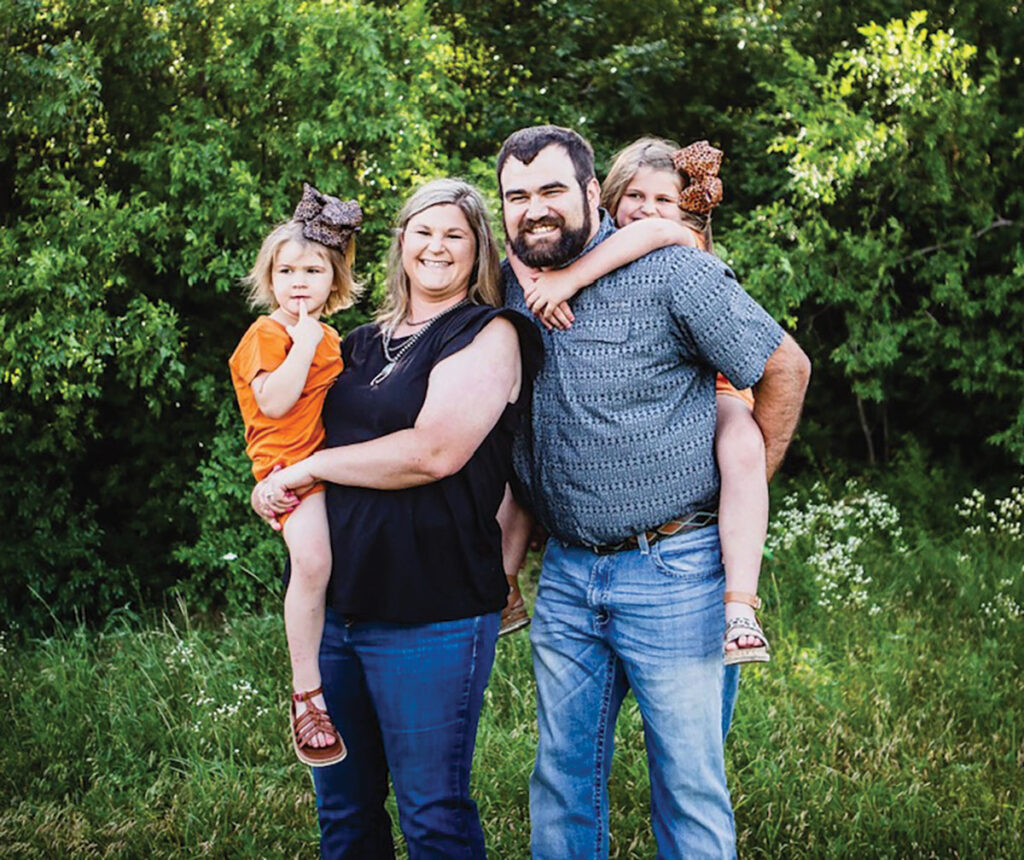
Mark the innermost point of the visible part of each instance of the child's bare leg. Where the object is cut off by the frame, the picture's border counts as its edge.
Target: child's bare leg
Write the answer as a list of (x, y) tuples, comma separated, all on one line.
[(308, 540), (743, 506)]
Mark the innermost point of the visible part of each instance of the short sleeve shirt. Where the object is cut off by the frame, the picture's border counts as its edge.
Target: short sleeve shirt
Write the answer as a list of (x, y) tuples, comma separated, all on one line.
[(300, 432), (623, 413)]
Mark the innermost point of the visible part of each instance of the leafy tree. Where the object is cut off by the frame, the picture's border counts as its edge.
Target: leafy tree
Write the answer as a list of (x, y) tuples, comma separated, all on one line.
[(896, 243), (148, 147)]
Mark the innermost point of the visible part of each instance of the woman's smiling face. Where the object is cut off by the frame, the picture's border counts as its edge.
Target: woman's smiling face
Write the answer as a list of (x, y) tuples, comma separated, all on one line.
[(439, 251)]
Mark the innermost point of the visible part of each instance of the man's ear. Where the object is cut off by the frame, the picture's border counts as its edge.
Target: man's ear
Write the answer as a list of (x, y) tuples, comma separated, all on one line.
[(594, 193)]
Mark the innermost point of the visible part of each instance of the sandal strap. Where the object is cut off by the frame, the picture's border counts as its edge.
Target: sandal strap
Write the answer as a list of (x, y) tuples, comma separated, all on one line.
[(311, 722), (309, 694), (737, 627), (742, 597), (744, 623)]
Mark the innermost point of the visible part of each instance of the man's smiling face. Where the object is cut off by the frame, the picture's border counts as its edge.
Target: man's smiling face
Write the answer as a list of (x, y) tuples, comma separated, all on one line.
[(548, 217)]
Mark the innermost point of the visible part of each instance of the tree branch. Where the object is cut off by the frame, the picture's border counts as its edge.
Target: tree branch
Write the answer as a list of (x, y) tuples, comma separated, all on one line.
[(866, 431), (931, 249)]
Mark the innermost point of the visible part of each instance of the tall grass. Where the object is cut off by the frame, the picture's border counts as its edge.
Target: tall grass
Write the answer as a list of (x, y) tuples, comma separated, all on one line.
[(888, 724)]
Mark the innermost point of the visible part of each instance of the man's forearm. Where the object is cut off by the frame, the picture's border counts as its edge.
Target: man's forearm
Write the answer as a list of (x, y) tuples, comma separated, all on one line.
[(778, 398)]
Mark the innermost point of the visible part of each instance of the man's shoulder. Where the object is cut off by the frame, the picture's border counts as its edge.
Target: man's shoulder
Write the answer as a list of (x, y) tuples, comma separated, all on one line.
[(677, 257), (509, 288)]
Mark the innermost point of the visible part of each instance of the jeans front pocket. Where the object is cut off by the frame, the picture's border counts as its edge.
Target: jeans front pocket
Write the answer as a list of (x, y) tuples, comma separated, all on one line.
[(693, 555)]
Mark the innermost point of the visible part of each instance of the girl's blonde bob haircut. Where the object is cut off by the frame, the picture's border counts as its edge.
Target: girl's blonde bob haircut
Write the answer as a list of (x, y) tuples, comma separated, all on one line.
[(484, 280), (655, 153), (344, 289)]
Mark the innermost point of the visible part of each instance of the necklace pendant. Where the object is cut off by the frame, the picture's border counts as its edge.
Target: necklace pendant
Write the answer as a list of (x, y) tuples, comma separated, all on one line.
[(384, 373)]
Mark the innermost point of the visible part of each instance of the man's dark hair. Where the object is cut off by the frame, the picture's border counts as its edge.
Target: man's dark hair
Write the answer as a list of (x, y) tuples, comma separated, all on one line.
[(525, 144)]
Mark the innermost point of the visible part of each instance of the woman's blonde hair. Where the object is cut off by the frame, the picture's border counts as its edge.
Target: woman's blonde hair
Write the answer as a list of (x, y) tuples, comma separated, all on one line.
[(655, 153), (344, 288), (484, 280)]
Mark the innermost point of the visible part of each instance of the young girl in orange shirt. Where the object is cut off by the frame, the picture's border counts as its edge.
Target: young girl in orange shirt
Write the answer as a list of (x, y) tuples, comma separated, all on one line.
[(281, 370)]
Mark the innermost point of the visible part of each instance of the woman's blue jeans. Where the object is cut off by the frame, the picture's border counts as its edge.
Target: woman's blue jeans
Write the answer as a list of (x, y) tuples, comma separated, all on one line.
[(406, 699), (651, 621)]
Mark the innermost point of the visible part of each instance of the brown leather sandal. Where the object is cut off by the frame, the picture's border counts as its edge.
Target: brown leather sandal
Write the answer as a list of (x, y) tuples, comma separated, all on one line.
[(312, 721), (514, 616)]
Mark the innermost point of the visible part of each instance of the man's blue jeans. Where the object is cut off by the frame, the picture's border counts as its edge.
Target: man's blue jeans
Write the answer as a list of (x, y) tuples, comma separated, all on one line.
[(650, 620), (406, 699)]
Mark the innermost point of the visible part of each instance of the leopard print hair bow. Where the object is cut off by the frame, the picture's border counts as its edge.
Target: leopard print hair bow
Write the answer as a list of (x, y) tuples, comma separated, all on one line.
[(699, 163), (327, 219)]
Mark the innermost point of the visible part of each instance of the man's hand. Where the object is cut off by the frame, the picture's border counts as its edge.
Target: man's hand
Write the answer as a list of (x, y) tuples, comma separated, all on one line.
[(778, 398)]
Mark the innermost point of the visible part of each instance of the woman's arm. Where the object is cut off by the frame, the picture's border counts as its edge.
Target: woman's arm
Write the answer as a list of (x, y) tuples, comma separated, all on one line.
[(466, 395), (546, 290)]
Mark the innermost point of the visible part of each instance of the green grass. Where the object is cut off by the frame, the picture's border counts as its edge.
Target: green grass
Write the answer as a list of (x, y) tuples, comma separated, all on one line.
[(892, 727)]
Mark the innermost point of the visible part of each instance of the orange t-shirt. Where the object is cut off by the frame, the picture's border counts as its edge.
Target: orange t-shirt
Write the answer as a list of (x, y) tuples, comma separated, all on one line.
[(724, 386), (300, 432)]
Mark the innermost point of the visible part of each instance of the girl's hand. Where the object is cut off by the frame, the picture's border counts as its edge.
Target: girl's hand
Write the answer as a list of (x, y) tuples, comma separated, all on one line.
[(306, 331), (548, 296), (553, 312)]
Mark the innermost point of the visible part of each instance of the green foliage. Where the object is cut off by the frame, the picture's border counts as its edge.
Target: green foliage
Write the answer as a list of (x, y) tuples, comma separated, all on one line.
[(147, 149), (235, 558), (895, 243), (872, 202)]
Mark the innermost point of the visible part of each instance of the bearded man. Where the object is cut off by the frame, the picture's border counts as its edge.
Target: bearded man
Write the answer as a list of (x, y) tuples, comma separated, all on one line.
[(618, 466)]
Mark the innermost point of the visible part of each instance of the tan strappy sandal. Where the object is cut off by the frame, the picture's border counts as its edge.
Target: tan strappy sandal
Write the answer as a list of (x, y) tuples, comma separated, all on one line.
[(310, 722), (737, 627), (514, 616)]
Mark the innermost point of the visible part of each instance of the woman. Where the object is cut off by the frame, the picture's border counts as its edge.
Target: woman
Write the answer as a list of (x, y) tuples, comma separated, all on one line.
[(419, 428)]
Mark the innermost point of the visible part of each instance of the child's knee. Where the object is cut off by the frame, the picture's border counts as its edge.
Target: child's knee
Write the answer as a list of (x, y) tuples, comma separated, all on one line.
[(311, 565)]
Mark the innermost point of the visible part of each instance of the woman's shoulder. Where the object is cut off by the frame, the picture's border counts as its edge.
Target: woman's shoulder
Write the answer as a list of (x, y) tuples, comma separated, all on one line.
[(462, 328), (361, 334), (472, 319)]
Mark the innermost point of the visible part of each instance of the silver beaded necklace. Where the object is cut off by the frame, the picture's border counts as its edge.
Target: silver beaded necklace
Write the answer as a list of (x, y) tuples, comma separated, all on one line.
[(392, 359)]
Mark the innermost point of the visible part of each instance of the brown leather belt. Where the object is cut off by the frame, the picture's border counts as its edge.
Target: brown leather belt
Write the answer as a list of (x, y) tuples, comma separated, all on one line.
[(689, 523)]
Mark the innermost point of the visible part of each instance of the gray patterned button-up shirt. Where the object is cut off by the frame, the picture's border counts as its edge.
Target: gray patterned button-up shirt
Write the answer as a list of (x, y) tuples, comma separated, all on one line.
[(624, 414)]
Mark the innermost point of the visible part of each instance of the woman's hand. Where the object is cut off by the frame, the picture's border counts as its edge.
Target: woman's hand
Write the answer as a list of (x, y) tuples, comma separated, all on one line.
[(276, 494)]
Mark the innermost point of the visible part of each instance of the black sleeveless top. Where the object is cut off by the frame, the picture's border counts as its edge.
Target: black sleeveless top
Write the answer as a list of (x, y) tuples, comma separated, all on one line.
[(428, 553)]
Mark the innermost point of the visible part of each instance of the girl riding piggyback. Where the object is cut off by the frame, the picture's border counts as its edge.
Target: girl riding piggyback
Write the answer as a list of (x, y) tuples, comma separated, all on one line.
[(661, 194), (281, 371)]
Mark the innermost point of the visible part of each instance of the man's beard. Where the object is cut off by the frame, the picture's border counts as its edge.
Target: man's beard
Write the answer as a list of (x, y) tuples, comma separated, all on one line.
[(569, 245)]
